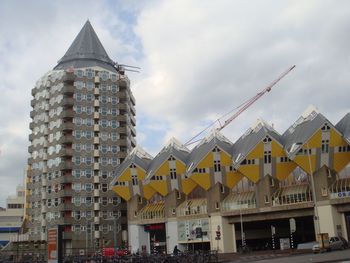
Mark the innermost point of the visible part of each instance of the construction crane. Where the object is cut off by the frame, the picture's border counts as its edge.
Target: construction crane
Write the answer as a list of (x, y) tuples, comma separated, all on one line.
[(240, 109)]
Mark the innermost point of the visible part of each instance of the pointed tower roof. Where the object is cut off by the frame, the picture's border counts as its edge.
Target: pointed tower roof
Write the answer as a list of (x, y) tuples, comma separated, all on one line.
[(86, 51)]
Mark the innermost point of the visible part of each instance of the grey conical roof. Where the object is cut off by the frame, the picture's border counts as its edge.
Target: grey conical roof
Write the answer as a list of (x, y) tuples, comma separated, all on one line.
[(86, 51)]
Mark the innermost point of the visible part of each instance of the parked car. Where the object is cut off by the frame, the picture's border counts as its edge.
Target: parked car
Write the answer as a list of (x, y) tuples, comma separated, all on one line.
[(335, 243)]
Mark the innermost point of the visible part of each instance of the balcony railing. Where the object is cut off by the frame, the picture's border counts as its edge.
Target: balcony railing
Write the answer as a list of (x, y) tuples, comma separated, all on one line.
[(154, 211), (340, 188), (239, 201), (293, 194), (192, 207)]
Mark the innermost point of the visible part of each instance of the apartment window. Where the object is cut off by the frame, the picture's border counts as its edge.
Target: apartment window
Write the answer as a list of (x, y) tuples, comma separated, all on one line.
[(267, 139), (217, 205), (134, 180), (217, 166), (216, 150), (90, 73), (104, 200), (222, 189), (116, 200), (178, 195), (326, 127), (325, 146), (267, 156), (173, 175), (171, 158), (272, 182), (266, 199), (104, 187)]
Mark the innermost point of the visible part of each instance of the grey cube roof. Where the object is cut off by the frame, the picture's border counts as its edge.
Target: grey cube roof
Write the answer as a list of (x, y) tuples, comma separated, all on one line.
[(344, 126), (86, 51), (206, 146), (138, 157), (302, 130), (251, 138), (173, 148)]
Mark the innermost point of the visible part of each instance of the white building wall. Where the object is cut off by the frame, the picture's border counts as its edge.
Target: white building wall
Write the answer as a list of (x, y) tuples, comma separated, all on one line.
[(138, 238), (171, 235), (330, 219), (226, 244)]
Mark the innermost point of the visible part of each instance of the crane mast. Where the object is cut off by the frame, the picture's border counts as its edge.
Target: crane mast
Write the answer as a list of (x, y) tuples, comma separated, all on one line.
[(243, 106)]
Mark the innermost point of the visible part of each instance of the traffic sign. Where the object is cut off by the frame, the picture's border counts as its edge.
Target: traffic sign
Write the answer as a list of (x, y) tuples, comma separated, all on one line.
[(292, 225)]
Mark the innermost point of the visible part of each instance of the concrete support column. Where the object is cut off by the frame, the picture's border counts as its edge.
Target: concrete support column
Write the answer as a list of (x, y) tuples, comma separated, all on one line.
[(171, 236), (343, 227), (330, 220), (138, 238), (227, 241)]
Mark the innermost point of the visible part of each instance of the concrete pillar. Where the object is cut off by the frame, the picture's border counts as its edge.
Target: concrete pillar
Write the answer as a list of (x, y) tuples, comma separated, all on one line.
[(171, 236), (226, 243), (343, 227), (138, 238), (330, 220)]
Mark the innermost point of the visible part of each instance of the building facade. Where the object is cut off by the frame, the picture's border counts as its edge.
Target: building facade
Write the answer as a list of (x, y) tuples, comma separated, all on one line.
[(83, 126), (262, 190), (12, 217)]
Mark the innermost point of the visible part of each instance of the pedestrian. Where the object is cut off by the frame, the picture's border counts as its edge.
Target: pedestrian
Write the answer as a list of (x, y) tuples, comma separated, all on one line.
[(176, 250)]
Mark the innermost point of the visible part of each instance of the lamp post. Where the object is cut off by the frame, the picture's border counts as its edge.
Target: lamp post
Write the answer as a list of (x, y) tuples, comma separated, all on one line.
[(241, 220), (313, 190)]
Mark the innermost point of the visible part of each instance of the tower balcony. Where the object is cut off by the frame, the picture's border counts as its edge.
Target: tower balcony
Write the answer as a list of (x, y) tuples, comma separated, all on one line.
[(69, 77), (30, 148), (66, 166), (66, 152), (121, 130), (68, 90), (67, 139), (122, 118), (67, 126), (31, 125), (68, 114), (32, 102), (32, 114), (132, 99), (68, 102)]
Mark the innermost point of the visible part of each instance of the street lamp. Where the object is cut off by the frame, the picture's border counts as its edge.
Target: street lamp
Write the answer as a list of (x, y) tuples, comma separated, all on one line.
[(241, 219)]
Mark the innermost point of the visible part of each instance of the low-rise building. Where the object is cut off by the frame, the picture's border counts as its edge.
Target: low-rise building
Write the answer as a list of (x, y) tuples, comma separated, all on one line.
[(11, 218), (259, 191)]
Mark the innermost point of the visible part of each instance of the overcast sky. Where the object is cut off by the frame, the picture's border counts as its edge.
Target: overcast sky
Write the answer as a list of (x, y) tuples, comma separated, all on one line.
[(199, 60)]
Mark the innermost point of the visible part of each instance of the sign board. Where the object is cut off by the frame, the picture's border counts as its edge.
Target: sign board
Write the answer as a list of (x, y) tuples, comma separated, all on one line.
[(54, 244), (284, 243), (292, 225), (273, 230), (52, 248)]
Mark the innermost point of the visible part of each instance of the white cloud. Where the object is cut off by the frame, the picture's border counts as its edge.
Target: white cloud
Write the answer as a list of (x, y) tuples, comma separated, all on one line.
[(206, 57)]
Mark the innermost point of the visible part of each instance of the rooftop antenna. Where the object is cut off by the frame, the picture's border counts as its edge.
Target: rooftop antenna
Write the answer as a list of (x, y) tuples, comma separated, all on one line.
[(121, 68)]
